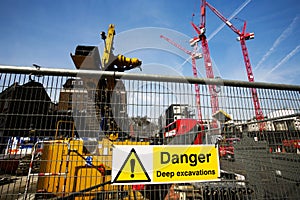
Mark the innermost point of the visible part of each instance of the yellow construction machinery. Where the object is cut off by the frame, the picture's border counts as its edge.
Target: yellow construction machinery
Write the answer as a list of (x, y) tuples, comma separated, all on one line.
[(100, 89), (110, 62), (70, 170)]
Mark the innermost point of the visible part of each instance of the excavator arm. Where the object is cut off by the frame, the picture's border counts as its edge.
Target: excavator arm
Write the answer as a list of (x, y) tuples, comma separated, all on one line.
[(119, 63), (102, 90)]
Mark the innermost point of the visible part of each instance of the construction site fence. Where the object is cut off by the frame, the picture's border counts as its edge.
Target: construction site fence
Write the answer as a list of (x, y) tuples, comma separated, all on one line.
[(54, 121)]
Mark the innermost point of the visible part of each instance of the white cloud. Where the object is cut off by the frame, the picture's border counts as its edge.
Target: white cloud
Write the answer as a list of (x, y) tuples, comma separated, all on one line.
[(285, 59), (283, 35), (286, 75)]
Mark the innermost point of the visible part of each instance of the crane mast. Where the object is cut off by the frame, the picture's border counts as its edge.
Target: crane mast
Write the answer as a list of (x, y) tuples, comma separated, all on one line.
[(242, 37), (207, 61), (194, 56)]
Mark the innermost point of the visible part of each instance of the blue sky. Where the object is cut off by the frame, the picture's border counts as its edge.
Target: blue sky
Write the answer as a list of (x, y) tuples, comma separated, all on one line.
[(46, 32)]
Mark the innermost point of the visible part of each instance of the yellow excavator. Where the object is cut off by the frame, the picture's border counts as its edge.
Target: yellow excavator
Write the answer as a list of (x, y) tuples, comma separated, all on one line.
[(103, 89), (67, 169)]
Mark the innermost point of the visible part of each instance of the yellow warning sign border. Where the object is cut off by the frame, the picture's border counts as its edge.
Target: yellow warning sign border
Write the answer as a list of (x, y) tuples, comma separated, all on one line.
[(124, 164)]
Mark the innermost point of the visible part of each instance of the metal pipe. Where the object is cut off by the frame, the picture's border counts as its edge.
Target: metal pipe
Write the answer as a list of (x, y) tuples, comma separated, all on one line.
[(144, 77)]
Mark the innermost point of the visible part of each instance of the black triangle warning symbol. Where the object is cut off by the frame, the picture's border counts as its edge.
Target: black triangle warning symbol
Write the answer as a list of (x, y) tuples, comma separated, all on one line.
[(132, 170)]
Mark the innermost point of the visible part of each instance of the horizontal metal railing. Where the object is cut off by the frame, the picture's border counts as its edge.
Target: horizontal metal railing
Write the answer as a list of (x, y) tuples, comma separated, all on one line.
[(144, 77)]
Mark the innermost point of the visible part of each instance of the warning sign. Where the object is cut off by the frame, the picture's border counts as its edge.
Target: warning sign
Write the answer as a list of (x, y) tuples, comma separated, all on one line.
[(164, 164), (183, 163), (132, 170)]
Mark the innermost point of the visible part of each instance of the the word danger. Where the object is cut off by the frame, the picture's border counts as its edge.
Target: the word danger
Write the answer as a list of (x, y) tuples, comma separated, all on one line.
[(192, 159)]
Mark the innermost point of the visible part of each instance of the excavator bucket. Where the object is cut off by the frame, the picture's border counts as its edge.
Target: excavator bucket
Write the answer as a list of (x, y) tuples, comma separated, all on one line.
[(87, 58)]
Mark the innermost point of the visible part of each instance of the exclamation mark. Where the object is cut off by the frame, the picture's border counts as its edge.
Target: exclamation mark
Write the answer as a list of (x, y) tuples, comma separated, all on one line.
[(132, 164)]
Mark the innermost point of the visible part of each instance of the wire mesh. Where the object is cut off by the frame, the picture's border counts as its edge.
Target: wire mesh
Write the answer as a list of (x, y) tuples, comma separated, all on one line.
[(56, 133)]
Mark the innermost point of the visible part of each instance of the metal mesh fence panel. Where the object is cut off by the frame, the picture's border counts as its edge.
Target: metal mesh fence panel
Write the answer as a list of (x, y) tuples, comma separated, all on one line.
[(58, 128)]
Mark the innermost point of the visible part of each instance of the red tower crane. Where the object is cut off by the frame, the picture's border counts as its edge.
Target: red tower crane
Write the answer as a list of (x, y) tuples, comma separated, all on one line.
[(194, 55), (207, 62), (242, 37)]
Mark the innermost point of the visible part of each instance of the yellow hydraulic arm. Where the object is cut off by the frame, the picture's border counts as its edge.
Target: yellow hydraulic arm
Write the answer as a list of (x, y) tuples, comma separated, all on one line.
[(108, 42), (110, 62)]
